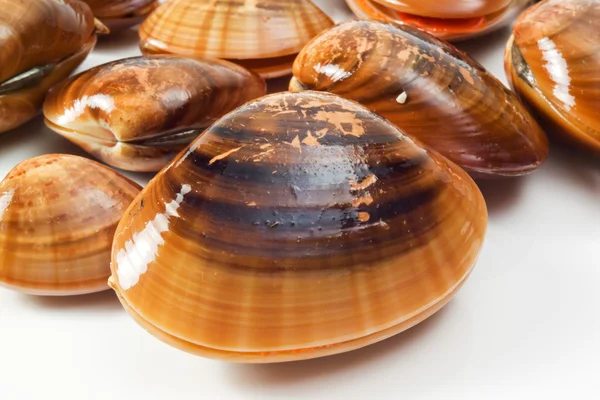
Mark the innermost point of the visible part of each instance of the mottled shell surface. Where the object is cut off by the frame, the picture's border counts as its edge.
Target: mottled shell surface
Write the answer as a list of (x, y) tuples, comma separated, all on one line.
[(262, 35), (430, 90), (298, 226), (553, 62), (447, 19), (58, 215), (121, 14), (138, 113), (42, 42)]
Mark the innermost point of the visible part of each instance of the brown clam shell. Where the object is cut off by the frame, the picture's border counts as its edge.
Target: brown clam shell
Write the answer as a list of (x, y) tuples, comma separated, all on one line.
[(553, 63), (58, 215), (261, 35), (121, 14), (138, 113), (447, 19), (300, 225), (430, 90), (42, 42)]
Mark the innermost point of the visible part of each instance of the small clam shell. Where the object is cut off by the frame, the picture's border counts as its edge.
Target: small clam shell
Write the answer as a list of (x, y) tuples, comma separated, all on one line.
[(58, 215), (447, 19), (42, 42), (121, 14), (298, 226), (430, 90), (138, 113), (262, 35), (553, 63)]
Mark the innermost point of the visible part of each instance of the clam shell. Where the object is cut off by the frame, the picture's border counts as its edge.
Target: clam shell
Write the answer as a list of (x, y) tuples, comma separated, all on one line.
[(42, 42), (447, 19), (262, 35), (121, 14), (300, 225), (430, 90), (138, 113), (58, 214), (553, 63)]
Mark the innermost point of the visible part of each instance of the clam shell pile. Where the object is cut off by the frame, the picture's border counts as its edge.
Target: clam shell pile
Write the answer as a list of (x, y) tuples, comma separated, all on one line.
[(287, 226)]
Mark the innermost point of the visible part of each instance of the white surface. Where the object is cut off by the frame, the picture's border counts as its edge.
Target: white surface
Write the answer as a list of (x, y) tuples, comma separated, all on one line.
[(526, 324)]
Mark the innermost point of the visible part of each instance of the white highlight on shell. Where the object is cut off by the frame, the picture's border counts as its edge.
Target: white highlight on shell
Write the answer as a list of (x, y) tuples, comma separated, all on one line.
[(98, 101), (141, 250), (557, 67), (402, 98), (5, 200), (333, 72)]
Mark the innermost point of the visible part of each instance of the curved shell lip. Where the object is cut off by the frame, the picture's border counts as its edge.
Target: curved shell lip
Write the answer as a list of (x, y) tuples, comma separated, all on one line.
[(99, 285), (573, 132), (120, 23), (290, 355), (366, 10), (85, 49)]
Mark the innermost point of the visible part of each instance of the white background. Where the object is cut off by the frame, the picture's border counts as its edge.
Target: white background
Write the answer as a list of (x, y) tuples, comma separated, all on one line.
[(526, 324)]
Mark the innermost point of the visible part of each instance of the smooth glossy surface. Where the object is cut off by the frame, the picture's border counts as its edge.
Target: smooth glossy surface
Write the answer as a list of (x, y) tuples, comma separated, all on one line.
[(138, 113), (351, 234), (430, 90), (553, 62), (42, 42), (262, 35), (121, 14), (58, 215), (448, 19)]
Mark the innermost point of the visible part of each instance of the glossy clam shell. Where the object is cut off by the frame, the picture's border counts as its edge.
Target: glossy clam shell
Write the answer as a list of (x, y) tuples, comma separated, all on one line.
[(138, 113), (19, 106), (39, 32), (121, 14), (553, 63), (452, 20), (42, 42), (58, 215), (430, 90), (298, 226), (262, 35)]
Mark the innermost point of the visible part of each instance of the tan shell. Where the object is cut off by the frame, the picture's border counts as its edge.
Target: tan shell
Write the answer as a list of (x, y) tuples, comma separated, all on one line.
[(262, 35), (42, 42), (430, 90), (138, 113), (447, 19), (121, 14), (298, 226), (58, 215), (553, 63)]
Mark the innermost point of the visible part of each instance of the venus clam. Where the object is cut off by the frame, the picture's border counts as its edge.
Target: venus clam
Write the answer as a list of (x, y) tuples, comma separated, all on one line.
[(58, 214), (121, 14), (42, 42), (553, 62), (138, 113), (430, 90), (447, 19), (300, 225), (262, 35)]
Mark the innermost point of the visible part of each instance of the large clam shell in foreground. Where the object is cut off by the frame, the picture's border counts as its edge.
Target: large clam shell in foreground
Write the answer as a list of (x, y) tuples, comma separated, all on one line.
[(58, 215), (430, 90), (262, 35), (138, 113), (553, 62), (298, 226)]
